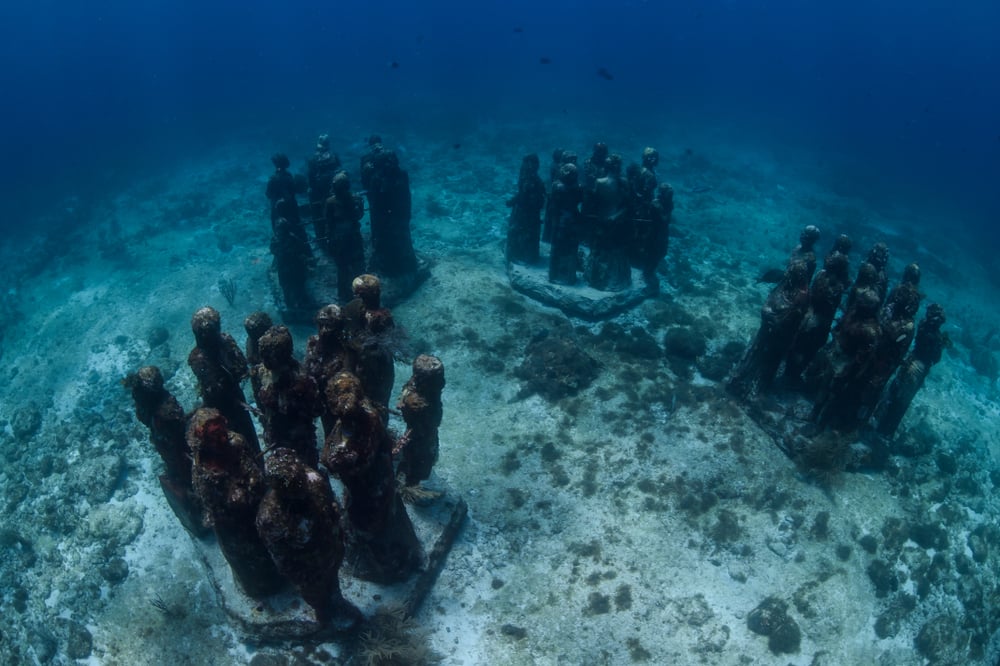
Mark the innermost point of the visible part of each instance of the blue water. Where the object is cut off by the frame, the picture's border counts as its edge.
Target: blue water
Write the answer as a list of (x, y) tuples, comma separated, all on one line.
[(900, 98)]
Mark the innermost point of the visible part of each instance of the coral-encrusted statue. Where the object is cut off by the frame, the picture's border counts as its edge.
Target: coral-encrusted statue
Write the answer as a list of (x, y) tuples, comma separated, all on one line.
[(525, 226), (230, 484), (927, 350), (805, 251), (373, 343), (219, 366), (289, 399), (327, 354), (825, 294), (894, 341), (159, 411), (256, 324), (359, 452), (320, 170), (779, 320), (420, 404), (848, 361), (299, 523)]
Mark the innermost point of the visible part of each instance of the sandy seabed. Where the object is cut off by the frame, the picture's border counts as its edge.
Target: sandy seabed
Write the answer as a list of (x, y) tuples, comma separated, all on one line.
[(639, 521)]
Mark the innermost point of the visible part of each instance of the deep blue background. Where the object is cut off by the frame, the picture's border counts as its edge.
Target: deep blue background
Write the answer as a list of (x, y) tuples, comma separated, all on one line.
[(905, 94)]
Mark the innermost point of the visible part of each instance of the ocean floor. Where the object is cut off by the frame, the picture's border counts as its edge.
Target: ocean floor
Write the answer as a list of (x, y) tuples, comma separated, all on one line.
[(638, 521)]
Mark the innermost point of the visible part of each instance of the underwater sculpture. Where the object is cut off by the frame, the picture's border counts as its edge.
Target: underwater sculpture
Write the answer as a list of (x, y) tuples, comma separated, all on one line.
[(559, 157), (420, 404), (291, 261), (327, 354), (825, 294), (805, 251), (343, 212), (275, 515), (594, 168), (281, 190), (220, 366), (650, 207), (525, 225), (289, 400), (838, 390), (158, 410), (897, 320), (321, 167), (387, 187), (256, 325), (779, 321), (299, 522), (607, 226), (565, 199), (230, 483), (358, 451), (927, 349), (372, 343), (302, 280)]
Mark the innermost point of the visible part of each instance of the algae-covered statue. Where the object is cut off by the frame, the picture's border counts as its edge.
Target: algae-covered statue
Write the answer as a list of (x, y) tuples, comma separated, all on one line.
[(219, 366)]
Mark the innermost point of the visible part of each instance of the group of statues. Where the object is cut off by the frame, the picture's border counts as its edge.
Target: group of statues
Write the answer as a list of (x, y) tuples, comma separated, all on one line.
[(335, 212), (866, 372), (272, 509), (622, 218)]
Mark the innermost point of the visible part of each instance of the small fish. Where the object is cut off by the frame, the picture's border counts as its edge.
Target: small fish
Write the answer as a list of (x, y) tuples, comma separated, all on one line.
[(545, 60), (518, 29), (771, 276), (393, 65), (456, 146), (605, 74)]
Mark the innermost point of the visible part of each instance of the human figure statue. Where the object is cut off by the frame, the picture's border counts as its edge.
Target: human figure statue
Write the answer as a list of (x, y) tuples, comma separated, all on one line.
[(878, 257), (228, 480), (344, 211), (524, 228), (159, 411), (291, 259), (659, 242), (289, 398), (825, 294), (927, 350), (373, 344), (805, 250), (320, 170), (359, 452), (566, 195), (547, 221), (368, 167), (327, 353), (420, 404), (645, 219), (256, 324), (898, 328), (281, 186), (389, 206), (847, 364), (220, 367), (299, 521), (594, 167), (779, 320), (608, 267)]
